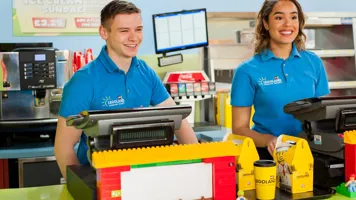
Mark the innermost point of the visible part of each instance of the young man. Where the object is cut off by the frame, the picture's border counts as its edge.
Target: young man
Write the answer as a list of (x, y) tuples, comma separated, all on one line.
[(114, 80)]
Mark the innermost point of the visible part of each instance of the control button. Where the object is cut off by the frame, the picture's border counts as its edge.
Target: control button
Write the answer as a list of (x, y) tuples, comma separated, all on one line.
[(37, 65), (28, 64)]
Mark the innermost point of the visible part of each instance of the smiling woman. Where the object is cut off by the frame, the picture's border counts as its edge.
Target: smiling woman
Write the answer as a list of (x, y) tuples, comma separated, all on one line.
[(280, 72), (280, 22)]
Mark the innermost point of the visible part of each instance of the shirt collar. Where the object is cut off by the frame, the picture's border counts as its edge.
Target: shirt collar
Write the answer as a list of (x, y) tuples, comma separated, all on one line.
[(109, 64), (267, 54)]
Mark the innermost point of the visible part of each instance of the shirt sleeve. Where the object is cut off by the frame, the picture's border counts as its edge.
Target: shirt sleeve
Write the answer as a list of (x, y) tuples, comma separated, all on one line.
[(77, 95), (242, 89), (322, 84), (159, 92)]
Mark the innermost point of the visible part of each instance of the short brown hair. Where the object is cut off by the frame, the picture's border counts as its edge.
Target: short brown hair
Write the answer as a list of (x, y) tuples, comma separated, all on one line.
[(262, 37), (116, 7)]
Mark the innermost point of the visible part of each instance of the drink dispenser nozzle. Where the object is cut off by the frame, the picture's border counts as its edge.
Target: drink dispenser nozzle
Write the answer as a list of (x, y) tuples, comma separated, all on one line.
[(40, 95)]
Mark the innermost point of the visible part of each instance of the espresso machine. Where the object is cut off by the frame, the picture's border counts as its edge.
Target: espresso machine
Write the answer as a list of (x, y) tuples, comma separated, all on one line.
[(32, 78)]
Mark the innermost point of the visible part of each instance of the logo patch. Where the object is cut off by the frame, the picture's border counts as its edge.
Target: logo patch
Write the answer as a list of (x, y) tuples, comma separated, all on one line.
[(264, 82), (107, 102)]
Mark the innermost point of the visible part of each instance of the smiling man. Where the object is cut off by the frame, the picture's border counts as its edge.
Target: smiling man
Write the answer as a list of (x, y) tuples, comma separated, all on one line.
[(115, 79)]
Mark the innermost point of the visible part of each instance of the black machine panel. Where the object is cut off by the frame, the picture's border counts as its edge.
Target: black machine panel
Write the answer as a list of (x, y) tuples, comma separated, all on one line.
[(37, 69), (9, 47)]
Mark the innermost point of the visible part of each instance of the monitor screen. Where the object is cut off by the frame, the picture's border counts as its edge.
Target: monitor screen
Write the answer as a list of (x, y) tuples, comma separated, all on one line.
[(180, 30)]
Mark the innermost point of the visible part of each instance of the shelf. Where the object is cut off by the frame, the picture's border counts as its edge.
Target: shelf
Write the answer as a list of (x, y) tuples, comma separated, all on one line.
[(226, 87), (342, 84), (334, 53), (192, 98)]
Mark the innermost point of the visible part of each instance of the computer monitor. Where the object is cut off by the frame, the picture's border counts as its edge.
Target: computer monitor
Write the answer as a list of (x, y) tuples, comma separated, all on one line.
[(181, 30), (338, 111)]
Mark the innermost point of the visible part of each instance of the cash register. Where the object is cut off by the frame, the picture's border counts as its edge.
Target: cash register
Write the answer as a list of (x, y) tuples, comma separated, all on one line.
[(120, 129), (324, 121)]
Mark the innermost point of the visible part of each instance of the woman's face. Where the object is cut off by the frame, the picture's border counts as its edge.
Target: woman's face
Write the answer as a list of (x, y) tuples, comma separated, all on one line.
[(283, 23)]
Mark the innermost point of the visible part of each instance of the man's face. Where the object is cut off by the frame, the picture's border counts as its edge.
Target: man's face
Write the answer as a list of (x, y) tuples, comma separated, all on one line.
[(125, 35)]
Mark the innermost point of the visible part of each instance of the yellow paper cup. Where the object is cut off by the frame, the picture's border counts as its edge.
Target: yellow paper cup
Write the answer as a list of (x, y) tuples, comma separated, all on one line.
[(265, 179)]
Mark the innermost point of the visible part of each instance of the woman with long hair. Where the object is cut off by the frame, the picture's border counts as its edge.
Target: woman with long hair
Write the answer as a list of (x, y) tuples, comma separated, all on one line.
[(280, 72)]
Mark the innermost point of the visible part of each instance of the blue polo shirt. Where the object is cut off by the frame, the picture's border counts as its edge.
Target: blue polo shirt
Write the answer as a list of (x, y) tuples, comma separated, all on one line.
[(101, 85), (269, 83)]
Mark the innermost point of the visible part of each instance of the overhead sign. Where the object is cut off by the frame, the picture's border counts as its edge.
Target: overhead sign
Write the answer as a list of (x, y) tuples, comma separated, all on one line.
[(56, 17)]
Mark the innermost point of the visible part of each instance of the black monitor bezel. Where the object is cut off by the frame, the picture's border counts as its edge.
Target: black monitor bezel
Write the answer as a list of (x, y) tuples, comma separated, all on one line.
[(93, 116), (179, 48)]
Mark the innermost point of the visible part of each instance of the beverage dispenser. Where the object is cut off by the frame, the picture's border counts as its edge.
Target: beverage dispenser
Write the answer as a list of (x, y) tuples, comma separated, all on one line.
[(32, 79)]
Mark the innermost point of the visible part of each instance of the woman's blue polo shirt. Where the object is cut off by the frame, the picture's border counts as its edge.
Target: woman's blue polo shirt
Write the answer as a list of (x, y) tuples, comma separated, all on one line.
[(268, 83), (101, 85)]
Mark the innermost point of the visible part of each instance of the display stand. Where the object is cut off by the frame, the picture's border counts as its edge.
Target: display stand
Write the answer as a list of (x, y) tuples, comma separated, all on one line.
[(189, 87), (86, 184)]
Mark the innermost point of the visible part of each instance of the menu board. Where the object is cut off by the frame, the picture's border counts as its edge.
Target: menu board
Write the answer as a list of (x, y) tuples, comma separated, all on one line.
[(56, 17)]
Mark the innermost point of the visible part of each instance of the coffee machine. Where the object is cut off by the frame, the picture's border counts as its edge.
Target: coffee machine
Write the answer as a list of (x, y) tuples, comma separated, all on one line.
[(32, 78)]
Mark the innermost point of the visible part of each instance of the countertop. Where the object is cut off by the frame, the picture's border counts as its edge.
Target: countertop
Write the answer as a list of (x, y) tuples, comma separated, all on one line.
[(46, 149), (60, 192)]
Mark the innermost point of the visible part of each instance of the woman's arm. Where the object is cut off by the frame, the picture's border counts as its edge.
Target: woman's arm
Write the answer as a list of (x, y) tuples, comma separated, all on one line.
[(241, 126)]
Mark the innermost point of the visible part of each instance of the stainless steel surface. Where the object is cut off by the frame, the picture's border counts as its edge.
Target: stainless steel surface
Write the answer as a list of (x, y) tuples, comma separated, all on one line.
[(22, 161), (9, 70), (29, 122), (17, 105), (64, 69)]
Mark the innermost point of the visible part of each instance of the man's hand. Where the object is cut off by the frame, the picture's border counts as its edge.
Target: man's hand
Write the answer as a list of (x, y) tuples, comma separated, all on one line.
[(271, 143)]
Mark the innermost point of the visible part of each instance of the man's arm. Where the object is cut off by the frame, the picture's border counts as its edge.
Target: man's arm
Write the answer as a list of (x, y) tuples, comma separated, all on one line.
[(76, 97), (185, 134), (66, 138)]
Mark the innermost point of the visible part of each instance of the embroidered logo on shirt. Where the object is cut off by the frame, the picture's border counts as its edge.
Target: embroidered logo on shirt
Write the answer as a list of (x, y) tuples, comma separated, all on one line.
[(264, 82), (107, 102)]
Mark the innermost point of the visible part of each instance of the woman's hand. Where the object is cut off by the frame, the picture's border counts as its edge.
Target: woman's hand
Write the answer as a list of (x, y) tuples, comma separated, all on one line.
[(271, 144)]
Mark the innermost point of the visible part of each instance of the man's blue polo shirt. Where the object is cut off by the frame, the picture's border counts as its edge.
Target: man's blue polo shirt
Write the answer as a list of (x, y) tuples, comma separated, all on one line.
[(268, 83), (101, 85)]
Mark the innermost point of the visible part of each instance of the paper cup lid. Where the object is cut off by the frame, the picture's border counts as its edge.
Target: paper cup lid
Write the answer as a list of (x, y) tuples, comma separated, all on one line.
[(264, 163)]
